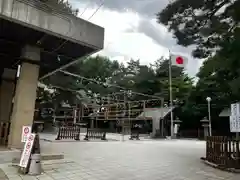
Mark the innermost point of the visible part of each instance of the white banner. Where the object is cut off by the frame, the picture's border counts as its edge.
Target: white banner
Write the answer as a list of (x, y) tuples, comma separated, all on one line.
[(235, 123), (26, 130), (27, 151), (235, 109)]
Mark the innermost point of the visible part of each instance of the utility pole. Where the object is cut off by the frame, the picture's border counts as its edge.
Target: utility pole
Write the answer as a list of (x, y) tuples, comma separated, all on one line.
[(170, 94)]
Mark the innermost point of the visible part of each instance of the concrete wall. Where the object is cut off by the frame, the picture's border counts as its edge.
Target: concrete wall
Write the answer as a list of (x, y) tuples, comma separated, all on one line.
[(44, 18)]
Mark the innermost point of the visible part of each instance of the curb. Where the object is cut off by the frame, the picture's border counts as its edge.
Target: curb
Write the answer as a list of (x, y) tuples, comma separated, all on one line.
[(231, 170), (43, 158)]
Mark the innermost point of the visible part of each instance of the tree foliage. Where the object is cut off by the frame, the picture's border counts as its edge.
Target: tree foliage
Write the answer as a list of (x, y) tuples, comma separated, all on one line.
[(99, 76), (62, 5), (208, 24), (212, 29)]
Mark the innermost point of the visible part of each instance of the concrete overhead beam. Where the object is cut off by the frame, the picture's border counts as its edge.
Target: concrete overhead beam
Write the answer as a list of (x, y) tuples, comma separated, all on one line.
[(37, 15)]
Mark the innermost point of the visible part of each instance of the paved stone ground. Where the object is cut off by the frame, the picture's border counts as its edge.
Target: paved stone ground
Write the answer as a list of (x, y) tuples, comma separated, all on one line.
[(8, 155), (129, 160)]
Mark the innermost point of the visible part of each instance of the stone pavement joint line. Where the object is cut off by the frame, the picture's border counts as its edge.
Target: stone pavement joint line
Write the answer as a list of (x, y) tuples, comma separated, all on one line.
[(138, 160), (53, 170), (3, 176)]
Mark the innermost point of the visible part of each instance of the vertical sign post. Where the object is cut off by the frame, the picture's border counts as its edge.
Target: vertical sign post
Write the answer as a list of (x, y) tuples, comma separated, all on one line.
[(235, 119), (27, 151)]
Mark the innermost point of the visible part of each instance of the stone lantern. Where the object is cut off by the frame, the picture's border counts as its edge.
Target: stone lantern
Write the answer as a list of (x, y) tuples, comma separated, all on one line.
[(205, 124), (176, 125)]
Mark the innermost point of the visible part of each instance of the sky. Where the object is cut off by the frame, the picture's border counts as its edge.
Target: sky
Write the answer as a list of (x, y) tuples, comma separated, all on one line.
[(131, 30)]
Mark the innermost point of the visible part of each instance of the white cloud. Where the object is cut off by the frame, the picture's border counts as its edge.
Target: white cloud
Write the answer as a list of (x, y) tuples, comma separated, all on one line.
[(137, 46), (124, 40)]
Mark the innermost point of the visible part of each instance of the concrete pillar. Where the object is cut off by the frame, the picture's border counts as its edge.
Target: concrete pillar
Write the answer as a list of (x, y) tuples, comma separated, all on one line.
[(25, 95), (6, 94)]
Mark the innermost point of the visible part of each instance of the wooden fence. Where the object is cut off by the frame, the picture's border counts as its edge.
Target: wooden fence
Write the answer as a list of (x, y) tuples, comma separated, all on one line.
[(69, 132), (4, 132), (223, 151)]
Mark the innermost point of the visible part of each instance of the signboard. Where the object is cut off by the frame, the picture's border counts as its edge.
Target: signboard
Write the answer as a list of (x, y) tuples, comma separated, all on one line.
[(235, 118), (27, 151), (235, 109), (26, 130)]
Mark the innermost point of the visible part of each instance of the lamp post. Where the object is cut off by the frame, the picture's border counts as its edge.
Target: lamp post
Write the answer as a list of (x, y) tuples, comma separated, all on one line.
[(209, 115)]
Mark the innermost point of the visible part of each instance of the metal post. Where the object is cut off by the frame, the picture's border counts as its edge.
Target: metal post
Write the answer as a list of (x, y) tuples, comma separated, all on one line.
[(209, 119), (162, 119), (121, 121), (129, 117), (79, 113), (170, 93), (82, 113), (94, 113), (108, 107), (54, 116), (237, 144), (74, 115)]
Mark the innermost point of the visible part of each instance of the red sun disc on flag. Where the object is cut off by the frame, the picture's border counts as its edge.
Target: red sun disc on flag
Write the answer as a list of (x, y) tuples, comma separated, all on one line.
[(179, 60)]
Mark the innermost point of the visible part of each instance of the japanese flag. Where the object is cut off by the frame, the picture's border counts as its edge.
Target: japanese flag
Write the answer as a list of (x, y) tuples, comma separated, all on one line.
[(178, 60)]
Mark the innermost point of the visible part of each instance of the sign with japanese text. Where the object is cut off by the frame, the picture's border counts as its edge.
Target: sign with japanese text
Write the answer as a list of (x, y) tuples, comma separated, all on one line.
[(234, 118), (235, 109), (27, 150), (235, 123), (26, 130)]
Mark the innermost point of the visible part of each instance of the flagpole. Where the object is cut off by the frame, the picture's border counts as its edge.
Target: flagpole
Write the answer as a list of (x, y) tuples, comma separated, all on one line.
[(170, 92)]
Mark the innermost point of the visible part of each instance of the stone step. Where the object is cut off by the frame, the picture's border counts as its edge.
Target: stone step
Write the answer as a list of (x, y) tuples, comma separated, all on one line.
[(44, 157), (7, 156)]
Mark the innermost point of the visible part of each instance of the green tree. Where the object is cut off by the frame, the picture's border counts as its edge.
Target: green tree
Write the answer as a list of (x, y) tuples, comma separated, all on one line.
[(96, 73), (181, 82), (218, 79), (104, 73), (62, 5), (203, 23), (212, 28), (142, 78)]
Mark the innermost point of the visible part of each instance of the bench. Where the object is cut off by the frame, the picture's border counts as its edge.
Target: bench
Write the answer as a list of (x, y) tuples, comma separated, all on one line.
[(95, 134)]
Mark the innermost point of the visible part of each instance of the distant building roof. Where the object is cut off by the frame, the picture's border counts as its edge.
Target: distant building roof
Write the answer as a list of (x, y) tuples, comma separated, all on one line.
[(225, 112), (155, 112)]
